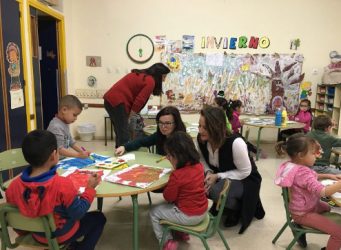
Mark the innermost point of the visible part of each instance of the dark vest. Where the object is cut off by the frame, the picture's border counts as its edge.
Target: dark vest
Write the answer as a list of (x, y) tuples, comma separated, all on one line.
[(251, 203)]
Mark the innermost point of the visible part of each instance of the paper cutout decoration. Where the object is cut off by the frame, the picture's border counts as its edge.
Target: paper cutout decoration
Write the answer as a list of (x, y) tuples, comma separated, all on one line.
[(305, 90), (138, 175), (13, 57)]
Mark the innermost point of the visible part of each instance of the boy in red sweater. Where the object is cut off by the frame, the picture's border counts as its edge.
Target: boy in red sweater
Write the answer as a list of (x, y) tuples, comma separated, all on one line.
[(185, 191), (40, 191)]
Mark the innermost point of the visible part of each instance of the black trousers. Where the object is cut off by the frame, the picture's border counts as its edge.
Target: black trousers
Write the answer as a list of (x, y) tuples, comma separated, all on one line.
[(119, 119)]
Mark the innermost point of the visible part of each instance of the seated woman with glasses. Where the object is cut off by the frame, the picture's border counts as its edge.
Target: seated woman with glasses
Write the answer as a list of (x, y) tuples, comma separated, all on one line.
[(303, 115), (168, 121), (225, 156)]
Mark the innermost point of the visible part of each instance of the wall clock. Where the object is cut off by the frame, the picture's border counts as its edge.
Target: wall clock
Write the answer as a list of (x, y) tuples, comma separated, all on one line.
[(140, 48)]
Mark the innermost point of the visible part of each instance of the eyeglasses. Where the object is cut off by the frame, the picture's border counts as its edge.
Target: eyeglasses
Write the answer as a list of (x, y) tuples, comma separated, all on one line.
[(165, 124), (302, 105)]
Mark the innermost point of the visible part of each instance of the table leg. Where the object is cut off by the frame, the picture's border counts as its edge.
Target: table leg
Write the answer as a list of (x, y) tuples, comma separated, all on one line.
[(99, 203), (135, 222), (105, 131), (258, 142)]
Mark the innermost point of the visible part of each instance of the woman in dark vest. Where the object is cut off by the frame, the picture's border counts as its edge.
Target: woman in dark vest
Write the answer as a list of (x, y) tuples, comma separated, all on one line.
[(225, 155)]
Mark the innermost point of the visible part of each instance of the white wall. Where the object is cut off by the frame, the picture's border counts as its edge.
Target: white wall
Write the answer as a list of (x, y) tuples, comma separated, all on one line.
[(103, 27)]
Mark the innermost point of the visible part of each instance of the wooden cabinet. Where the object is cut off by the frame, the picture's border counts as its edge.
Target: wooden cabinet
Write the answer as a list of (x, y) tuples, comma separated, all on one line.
[(328, 102)]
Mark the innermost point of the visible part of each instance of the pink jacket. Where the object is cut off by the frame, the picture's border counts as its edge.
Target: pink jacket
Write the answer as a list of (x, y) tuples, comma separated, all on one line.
[(304, 187), (304, 117), (235, 122)]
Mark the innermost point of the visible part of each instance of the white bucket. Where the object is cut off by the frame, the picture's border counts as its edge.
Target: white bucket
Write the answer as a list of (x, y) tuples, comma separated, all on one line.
[(86, 131)]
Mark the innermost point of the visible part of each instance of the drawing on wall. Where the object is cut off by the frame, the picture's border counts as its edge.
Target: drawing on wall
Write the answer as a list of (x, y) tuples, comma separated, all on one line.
[(262, 82), (13, 58), (159, 43), (188, 43)]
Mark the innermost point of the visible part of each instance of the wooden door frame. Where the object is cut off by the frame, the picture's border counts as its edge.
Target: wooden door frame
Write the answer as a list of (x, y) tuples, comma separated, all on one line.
[(25, 21)]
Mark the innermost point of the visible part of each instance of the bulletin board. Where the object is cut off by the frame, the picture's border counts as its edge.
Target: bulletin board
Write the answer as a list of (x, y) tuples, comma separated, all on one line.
[(263, 82)]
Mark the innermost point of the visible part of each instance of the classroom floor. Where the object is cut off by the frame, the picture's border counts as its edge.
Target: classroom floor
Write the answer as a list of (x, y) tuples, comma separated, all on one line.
[(117, 234)]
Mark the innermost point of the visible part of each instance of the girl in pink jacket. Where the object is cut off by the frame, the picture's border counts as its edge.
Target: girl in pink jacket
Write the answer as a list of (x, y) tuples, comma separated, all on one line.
[(303, 115), (305, 205)]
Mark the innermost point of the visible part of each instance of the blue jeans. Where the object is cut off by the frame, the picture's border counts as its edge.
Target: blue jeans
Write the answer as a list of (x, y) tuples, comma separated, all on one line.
[(91, 227)]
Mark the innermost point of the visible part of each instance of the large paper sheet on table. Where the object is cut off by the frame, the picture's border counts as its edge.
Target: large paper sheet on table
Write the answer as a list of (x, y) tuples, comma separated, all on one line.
[(138, 175)]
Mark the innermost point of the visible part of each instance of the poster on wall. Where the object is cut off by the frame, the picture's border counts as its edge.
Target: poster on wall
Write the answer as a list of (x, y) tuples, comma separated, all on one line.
[(16, 91), (263, 82)]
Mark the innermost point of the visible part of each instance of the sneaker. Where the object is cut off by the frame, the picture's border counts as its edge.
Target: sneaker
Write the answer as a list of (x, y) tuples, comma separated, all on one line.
[(181, 236), (171, 245)]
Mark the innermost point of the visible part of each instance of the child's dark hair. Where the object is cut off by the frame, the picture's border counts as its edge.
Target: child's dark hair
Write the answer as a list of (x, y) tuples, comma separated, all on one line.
[(156, 71), (70, 101), (181, 146), (232, 106), (322, 122), (37, 147), (309, 106), (296, 143)]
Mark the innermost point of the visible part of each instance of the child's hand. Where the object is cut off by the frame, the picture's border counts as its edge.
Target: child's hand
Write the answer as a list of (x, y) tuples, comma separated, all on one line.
[(210, 180), (93, 181), (120, 150), (83, 154), (335, 177)]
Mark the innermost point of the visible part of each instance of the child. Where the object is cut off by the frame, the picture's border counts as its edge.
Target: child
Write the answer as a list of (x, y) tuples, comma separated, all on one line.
[(220, 101), (40, 191), (185, 192), (303, 115), (322, 127), (136, 126), (235, 108), (69, 108), (305, 205)]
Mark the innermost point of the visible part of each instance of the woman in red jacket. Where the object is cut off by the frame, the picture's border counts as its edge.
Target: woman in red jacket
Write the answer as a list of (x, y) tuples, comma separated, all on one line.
[(129, 95)]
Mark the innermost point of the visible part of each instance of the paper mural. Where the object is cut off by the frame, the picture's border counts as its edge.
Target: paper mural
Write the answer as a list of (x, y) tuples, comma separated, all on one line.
[(262, 82)]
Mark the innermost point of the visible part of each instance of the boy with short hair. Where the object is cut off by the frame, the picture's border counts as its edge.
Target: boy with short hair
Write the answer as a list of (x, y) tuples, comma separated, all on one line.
[(40, 191), (322, 126), (69, 108)]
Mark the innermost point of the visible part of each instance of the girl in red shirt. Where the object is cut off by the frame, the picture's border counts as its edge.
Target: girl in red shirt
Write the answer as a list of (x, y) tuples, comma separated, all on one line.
[(185, 191)]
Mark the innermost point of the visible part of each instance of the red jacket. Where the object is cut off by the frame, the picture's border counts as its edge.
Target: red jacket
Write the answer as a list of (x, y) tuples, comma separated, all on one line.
[(47, 193), (186, 189), (133, 90)]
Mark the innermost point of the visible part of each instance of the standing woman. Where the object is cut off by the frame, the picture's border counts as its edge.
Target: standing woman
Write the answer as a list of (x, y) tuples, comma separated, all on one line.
[(130, 94), (226, 156)]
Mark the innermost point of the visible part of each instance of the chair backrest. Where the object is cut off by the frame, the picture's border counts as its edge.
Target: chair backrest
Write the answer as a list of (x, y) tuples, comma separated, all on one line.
[(286, 200), (215, 221), (9, 160), (11, 217)]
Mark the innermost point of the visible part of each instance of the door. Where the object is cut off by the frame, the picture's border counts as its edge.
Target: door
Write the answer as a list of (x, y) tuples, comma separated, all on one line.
[(12, 83), (45, 66)]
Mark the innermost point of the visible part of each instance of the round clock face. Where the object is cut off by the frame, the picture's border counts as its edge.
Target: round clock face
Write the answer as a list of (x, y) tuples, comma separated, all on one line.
[(91, 81), (140, 48)]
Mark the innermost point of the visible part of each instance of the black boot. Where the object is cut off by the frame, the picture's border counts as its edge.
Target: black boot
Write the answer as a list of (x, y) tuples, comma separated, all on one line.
[(302, 242), (232, 218), (213, 209)]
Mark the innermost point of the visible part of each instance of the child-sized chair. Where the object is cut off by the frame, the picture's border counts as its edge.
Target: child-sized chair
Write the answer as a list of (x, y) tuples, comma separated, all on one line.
[(10, 217), (296, 229), (10, 160), (204, 230)]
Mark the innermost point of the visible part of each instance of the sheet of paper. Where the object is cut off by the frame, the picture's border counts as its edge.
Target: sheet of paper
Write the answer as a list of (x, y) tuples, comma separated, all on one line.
[(138, 175), (128, 157)]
